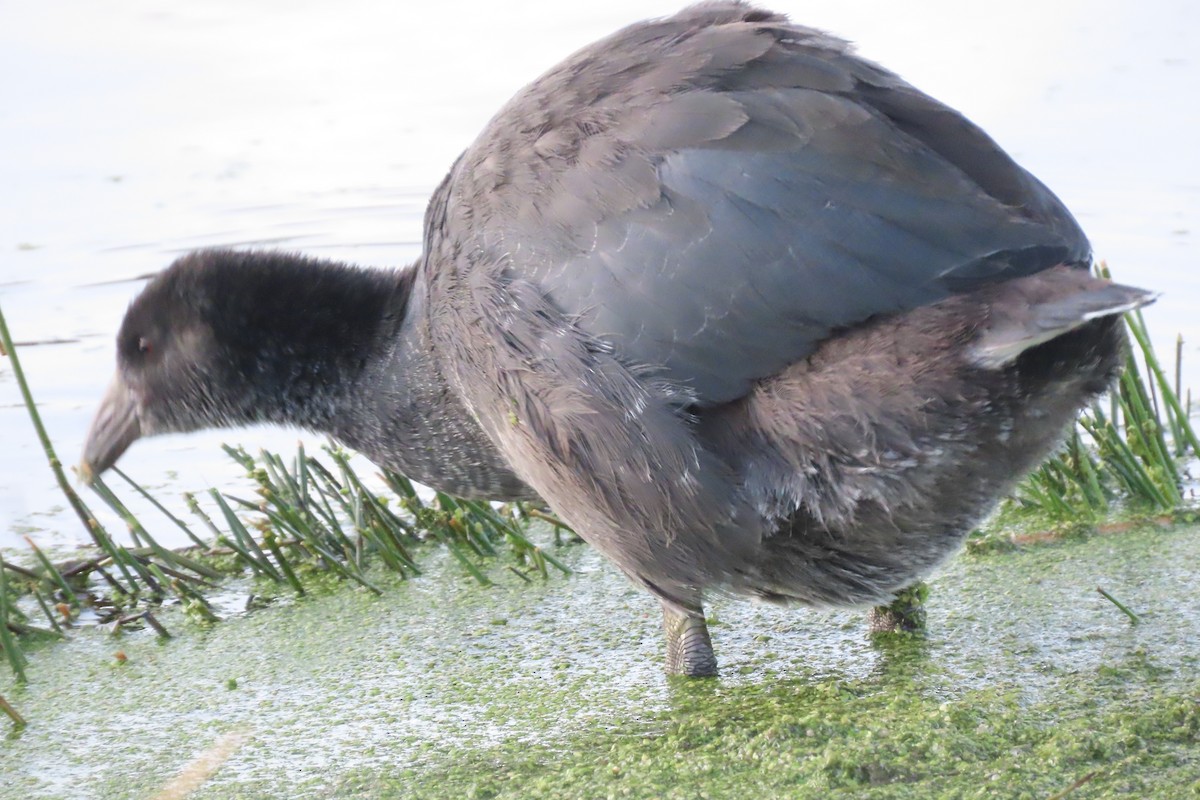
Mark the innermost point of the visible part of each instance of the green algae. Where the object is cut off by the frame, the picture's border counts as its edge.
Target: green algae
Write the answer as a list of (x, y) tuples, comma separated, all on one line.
[(1026, 683), (796, 739)]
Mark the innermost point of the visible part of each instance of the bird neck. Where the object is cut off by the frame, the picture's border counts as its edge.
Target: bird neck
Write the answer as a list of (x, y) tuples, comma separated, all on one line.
[(297, 334)]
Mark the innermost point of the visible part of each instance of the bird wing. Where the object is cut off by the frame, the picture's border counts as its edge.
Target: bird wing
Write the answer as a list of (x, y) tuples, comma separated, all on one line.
[(715, 193)]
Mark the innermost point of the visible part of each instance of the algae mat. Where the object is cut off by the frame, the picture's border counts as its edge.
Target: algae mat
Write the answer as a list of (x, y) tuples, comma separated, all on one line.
[(1029, 684)]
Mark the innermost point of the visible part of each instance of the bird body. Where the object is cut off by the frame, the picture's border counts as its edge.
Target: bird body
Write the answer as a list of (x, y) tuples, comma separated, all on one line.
[(749, 312)]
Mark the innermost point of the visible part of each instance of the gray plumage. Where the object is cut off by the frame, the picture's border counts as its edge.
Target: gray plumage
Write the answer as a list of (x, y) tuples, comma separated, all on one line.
[(748, 311)]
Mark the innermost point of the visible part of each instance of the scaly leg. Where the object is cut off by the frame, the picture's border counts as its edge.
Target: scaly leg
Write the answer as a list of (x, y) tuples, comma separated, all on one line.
[(689, 650)]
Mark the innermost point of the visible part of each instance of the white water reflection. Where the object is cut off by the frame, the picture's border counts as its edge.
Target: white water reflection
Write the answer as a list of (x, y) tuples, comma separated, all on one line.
[(132, 131)]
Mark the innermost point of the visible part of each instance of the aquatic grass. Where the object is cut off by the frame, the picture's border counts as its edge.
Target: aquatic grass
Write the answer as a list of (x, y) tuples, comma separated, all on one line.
[(308, 527), (28, 582), (478, 524), (12, 713), (142, 616), (192, 600), (41, 601), (42, 586), (242, 542), (530, 512), (444, 534), (323, 515), (1078, 784), (1124, 609), (8, 611), (73, 499), (173, 562), (126, 564), (271, 540), (506, 523), (160, 507), (53, 575), (307, 516), (374, 522), (1178, 415)]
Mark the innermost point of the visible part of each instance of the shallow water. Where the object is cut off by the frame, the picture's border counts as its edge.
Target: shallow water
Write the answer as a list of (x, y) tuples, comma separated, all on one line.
[(441, 688), (132, 132)]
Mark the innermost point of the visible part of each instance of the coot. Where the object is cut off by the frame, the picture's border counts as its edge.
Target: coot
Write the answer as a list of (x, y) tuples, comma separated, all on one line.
[(748, 311)]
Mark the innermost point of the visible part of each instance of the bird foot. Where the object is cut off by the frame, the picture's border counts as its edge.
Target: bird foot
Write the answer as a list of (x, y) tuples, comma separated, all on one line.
[(905, 614)]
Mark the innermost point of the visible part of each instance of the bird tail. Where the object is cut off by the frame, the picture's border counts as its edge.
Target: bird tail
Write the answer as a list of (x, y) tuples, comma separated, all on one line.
[(1033, 310)]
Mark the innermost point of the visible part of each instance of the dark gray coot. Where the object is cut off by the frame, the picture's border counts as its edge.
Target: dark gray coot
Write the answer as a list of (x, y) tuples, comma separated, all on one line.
[(749, 312)]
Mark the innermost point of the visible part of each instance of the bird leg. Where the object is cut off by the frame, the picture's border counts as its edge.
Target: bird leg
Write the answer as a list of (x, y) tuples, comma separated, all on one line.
[(905, 614), (689, 650)]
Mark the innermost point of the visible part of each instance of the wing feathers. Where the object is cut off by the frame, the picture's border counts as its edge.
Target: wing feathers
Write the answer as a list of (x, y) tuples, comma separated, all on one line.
[(712, 194)]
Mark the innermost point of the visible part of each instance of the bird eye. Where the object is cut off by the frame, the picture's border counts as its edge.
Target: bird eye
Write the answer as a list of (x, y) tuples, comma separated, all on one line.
[(144, 345)]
